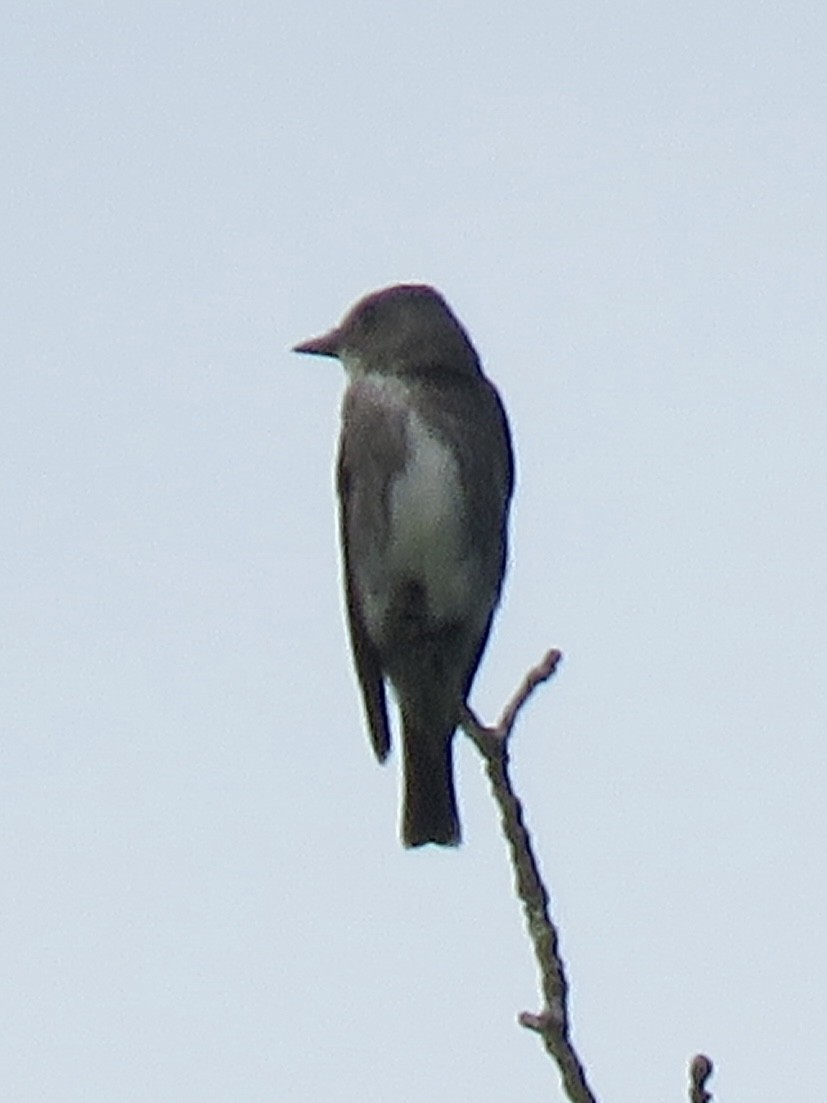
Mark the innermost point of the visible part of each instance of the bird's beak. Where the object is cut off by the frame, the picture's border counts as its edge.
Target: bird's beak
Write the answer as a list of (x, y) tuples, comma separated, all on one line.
[(326, 345)]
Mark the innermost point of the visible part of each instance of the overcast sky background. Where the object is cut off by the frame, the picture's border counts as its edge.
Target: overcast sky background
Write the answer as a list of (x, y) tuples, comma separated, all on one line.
[(203, 893)]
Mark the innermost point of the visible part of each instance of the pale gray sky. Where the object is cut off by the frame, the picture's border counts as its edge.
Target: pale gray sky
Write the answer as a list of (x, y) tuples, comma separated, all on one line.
[(204, 897)]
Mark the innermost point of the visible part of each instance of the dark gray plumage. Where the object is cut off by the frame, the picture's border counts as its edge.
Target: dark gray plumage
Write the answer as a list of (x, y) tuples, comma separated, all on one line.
[(425, 478)]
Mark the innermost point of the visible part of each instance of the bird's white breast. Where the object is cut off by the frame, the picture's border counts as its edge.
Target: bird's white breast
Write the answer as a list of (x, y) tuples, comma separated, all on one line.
[(426, 523)]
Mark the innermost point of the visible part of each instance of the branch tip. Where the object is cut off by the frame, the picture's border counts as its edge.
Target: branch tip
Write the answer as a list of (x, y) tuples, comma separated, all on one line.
[(700, 1070)]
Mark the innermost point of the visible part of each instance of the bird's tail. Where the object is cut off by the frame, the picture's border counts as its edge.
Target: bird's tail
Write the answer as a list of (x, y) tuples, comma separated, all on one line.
[(429, 812)]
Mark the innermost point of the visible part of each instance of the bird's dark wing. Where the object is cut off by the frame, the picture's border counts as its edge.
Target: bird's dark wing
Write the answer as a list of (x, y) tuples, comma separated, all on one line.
[(365, 658), (361, 420)]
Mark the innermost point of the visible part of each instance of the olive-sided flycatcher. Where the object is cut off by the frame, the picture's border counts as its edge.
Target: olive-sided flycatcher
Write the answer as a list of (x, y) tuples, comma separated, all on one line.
[(425, 477)]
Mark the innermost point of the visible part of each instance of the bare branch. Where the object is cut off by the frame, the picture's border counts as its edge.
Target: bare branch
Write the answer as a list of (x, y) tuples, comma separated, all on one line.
[(552, 1023)]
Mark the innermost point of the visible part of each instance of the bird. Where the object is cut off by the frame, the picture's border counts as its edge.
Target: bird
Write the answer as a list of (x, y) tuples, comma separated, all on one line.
[(425, 478)]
